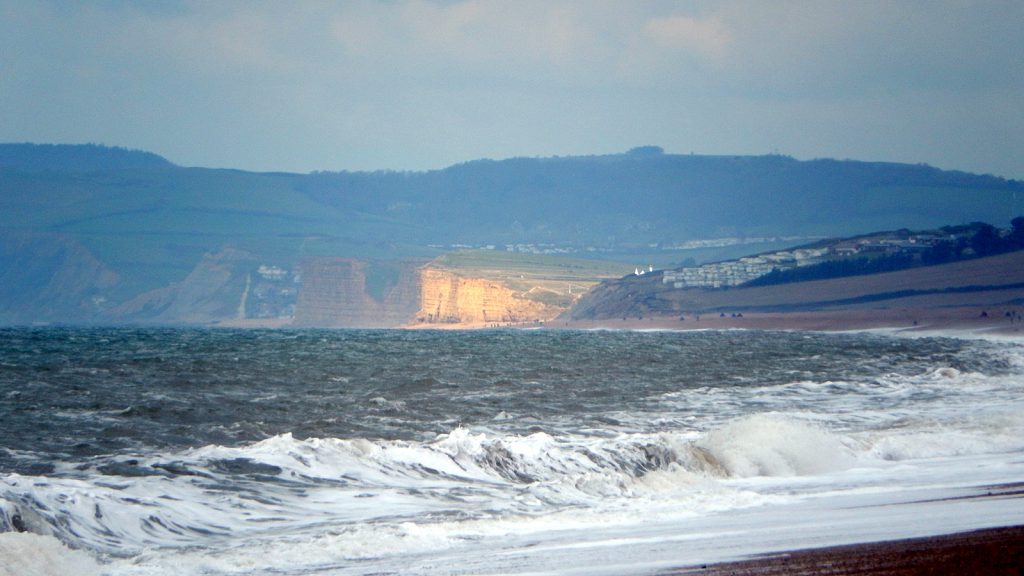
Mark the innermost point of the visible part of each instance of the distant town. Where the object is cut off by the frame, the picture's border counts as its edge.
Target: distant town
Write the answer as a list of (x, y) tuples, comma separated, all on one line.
[(736, 272), (865, 254)]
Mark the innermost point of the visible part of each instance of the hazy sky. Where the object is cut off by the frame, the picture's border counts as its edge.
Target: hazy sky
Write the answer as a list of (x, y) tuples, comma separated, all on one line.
[(415, 84)]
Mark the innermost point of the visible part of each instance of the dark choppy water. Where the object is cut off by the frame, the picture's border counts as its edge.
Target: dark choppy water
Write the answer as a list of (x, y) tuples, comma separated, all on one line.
[(458, 425), (108, 391)]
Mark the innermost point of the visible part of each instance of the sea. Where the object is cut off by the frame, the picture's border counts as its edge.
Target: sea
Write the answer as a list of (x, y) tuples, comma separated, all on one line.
[(160, 451)]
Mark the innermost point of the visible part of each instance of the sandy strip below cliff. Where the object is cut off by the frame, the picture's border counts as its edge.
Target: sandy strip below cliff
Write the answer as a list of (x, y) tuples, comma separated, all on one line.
[(962, 319)]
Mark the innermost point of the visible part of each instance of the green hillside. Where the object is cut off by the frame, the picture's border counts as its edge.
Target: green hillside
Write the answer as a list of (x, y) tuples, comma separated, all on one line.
[(485, 262), (148, 223)]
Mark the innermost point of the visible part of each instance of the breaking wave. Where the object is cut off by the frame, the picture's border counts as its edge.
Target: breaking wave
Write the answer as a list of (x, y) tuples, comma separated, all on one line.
[(27, 554), (550, 450), (284, 485)]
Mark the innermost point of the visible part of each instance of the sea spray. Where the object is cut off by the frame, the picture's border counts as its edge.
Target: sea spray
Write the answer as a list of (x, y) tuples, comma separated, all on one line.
[(348, 452), (774, 445), (27, 554)]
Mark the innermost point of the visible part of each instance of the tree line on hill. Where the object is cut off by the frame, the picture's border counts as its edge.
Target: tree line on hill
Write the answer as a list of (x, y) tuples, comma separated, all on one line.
[(81, 157), (975, 240)]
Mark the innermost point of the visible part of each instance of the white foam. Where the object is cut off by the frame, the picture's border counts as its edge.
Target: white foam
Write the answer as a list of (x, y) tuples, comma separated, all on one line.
[(575, 484), (27, 554), (773, 445), (732, 461)]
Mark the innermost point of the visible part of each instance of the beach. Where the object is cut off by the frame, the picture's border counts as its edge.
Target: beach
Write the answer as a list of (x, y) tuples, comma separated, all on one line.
[(964, 319), (990, 552)]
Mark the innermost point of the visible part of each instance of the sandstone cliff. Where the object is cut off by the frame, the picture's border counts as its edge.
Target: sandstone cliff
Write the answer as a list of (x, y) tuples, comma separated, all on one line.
[(336, 292), (448, 298), (350, 293)]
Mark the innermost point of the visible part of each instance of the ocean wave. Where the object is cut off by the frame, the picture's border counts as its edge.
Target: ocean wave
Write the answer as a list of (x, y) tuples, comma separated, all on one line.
[(359, 498), (28, 554), (771, 445), (121, 506)]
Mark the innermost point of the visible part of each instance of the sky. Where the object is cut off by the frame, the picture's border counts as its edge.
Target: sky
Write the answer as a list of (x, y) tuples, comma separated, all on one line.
[(422, 84)]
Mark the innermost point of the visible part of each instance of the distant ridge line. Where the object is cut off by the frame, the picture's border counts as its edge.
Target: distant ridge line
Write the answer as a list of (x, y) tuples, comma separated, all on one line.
[(77, 158)]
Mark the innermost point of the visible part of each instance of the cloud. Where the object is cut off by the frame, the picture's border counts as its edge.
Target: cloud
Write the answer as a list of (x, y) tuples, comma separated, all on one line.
[(422, 83), (707, 37), (481, 37), (867, 48)]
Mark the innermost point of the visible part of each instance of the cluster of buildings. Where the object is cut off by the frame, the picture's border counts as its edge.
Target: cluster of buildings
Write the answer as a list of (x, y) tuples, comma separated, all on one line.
[(573, 248), (273, 293), (888, 245), (731, 241), (736, 272), (521, 248), (538, 249)]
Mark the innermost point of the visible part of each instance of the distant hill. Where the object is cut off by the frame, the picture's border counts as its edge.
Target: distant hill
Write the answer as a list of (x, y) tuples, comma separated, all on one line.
[(76, 158), (143, 224), (660, 198)]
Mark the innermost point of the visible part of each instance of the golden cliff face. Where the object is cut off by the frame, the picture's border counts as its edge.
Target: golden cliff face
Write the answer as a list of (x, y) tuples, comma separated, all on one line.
[(341, 292), (448, 298)]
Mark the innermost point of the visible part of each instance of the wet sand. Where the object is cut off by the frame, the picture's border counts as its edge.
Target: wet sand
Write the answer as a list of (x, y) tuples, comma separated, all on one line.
[(996, 551), (981, 320)]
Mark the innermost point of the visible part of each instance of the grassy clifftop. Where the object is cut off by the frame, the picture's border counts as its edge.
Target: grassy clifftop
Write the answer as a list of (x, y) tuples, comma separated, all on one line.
[(502, 264)]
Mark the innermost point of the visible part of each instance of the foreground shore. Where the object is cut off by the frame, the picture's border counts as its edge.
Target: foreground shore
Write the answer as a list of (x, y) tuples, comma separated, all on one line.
[(990, 552)]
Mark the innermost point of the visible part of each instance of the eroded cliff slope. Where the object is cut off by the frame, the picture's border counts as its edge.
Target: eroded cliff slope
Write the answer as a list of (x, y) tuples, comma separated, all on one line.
[(449, 298), (47, 277), (212, 292)]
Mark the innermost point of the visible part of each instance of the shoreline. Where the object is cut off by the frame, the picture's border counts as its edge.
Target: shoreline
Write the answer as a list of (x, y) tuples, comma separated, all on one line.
[(990, 320), (990, 551), (961, 320)]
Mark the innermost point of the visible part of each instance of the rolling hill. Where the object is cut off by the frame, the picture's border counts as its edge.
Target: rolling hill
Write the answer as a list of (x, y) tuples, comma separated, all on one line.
[(87, 232)]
